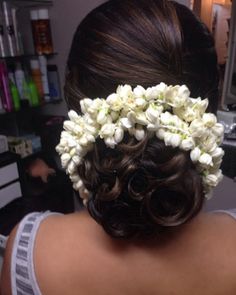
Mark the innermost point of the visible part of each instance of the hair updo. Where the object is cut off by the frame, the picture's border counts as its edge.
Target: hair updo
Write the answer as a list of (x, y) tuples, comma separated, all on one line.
[(141, 188)]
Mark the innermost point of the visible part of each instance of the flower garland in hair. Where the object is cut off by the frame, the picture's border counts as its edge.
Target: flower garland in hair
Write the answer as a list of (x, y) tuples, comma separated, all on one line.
[(167, 112)]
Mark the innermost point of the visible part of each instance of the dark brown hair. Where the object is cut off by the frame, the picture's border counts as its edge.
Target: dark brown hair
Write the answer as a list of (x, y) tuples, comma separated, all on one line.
[(141, 42), (141, 188)]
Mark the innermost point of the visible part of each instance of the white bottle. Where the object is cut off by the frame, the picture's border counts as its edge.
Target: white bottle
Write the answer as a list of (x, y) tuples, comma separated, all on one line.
[(20, 79), (3, 37), (10, 28), (44, 72)]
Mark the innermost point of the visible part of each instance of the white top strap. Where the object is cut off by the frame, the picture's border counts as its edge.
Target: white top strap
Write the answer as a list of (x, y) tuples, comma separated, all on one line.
[(231, 212), (23, 279)]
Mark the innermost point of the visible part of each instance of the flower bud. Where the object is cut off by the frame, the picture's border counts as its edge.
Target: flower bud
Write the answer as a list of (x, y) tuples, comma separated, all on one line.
[(69, 126), (209, 120), (76, 159), (119, 134), (217, 153), (205, 159), (101, 117), (73, 116), (65, 159), (187, 144), (195, 154), (139, 133), (139, 92), (160, 133)]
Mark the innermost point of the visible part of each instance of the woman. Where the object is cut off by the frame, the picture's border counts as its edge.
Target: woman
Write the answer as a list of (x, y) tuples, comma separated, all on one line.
[(143, 182)]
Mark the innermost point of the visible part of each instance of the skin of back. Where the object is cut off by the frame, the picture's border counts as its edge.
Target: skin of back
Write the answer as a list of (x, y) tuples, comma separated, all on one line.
[(73, 255)]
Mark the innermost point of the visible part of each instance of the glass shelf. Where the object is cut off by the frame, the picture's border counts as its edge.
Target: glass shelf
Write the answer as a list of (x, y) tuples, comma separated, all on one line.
[(27, 56), (30, 3)]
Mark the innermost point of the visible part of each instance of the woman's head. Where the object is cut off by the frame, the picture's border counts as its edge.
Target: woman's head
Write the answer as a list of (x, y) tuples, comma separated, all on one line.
[(141, 42), (141, 188)]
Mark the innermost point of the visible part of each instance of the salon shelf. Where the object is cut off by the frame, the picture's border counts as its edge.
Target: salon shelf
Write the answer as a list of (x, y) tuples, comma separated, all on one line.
[(30, 108), (30, 3), (26, 56)]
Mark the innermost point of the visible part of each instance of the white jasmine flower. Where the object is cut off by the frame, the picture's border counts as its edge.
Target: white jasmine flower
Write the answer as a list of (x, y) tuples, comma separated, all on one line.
[(177, 95), (202, 105), (217, 153), (205, 159), (85, 104), (195, 154), (65, 159), (125, 91), (140, 103), (183, 94), (69, 126), (125, 122), (90, 137), (156, 91), (171, 139), (74, 177), (115, 102), (110, 142), (119, 134), (197, 128), (72, 152), (211, 180), (152, 113), (218, 129), (209, 120), (73, 116), (166, 118), (76, 159), (138, 117), (107, 130), (102, 116), (209, 144), (114, 116), (83, 141), (160, 133), (139, 133), (78, 185), (187, 144), (139, 92), (71, 168)]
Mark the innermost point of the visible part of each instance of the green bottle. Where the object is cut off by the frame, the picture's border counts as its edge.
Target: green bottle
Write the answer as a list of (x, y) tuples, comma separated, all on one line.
[(15, 95), (34, 95), (30, 92)]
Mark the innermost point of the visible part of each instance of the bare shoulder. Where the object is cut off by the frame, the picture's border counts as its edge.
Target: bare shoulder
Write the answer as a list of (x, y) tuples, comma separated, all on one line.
[(221, 228), (61, 246)]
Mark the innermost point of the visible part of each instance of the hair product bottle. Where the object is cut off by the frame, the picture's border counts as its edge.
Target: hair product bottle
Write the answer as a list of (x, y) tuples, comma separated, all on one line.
[(43, 68), (54, 82), (14, 92), (19, 78), (37, 76), (35, 31), (3, 43), (19, 43), (44, 31), (10, 28), (4, 84)]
